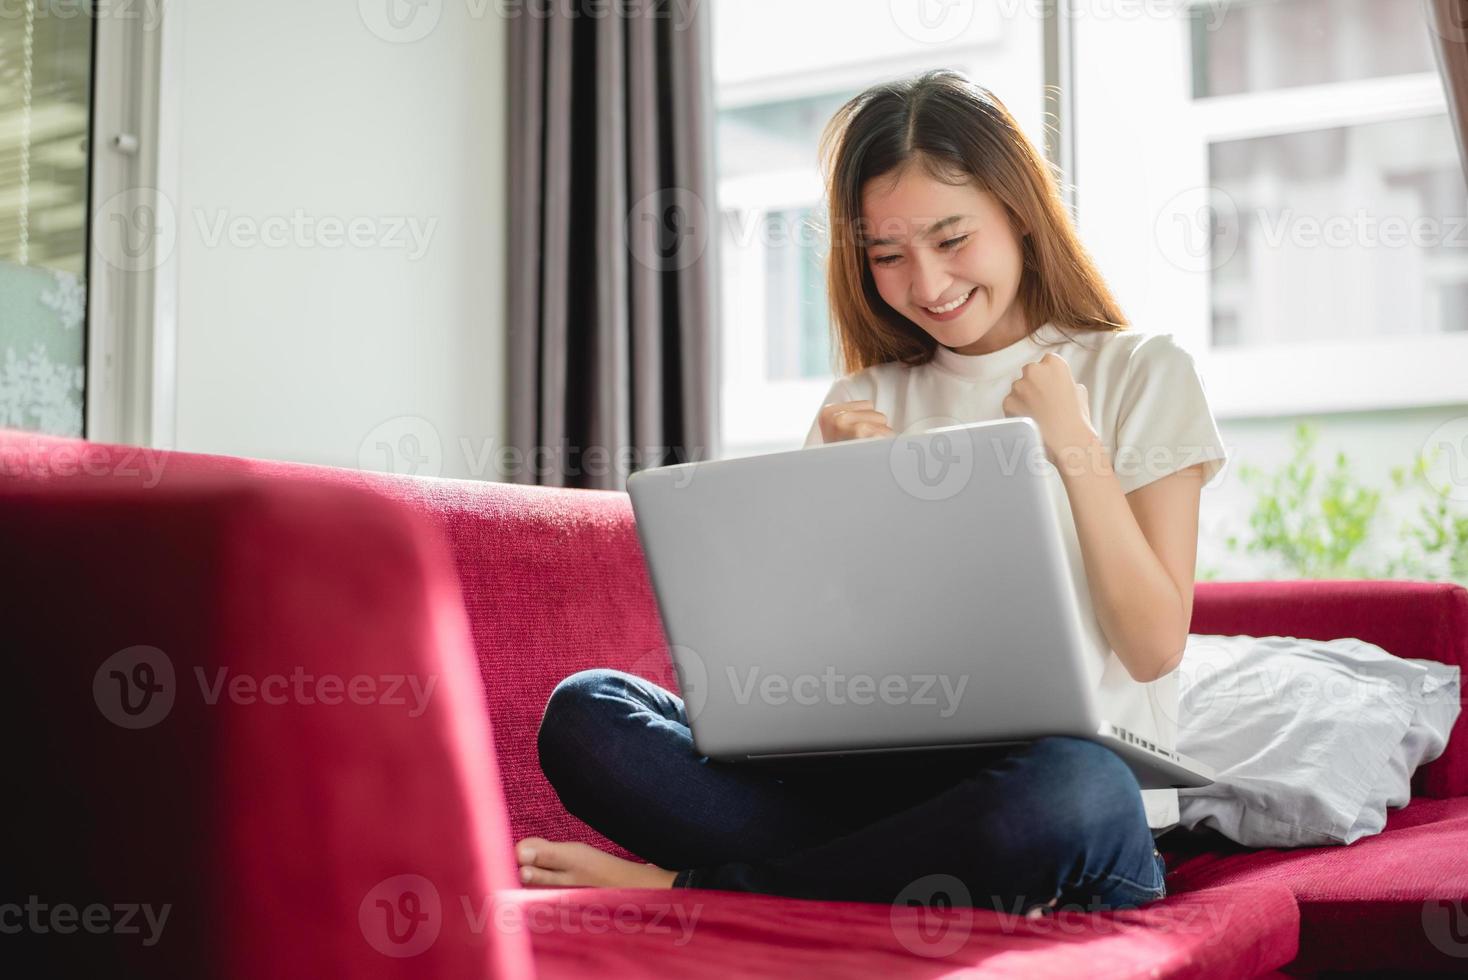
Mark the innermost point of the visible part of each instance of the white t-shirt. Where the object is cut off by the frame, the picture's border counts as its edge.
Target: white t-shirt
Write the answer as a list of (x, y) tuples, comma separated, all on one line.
[(1148, 406)]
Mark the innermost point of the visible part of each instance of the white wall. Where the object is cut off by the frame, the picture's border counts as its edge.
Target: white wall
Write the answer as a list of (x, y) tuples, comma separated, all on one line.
[(326, 351)]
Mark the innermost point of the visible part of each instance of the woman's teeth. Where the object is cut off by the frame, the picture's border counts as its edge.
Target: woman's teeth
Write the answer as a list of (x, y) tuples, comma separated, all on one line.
[(949, 307)]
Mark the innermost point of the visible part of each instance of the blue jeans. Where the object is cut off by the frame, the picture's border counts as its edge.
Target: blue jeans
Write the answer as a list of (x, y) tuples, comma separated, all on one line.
[(1054, 819)]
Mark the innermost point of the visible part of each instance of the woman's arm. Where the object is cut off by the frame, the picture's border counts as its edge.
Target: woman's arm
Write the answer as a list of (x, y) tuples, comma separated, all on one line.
[(1139, 550)]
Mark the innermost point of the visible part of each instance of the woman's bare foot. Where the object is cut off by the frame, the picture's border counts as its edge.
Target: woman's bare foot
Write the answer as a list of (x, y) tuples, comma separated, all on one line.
[(567, 863), (1039, 911)]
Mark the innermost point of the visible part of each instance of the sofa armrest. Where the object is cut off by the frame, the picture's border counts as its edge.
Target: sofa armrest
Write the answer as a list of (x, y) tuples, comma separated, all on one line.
[(553, 581), (1415, 620), (253, 706)]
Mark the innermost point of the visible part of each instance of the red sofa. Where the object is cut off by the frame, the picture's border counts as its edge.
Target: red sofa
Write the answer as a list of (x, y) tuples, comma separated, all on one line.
[(296, 706)]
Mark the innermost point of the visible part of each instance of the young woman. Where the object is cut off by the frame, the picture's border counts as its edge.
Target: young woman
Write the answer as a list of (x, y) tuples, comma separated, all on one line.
[(959, 292)]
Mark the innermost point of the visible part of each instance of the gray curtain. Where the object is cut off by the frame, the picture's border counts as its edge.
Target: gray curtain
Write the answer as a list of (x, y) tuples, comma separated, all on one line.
[(612, 342), (1450, 35)]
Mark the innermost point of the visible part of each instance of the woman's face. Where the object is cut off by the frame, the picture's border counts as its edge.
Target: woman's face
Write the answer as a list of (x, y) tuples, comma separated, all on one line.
[(931, 244)]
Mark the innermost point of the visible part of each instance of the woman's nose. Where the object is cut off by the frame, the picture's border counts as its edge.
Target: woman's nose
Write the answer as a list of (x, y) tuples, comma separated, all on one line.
[(928, 280)]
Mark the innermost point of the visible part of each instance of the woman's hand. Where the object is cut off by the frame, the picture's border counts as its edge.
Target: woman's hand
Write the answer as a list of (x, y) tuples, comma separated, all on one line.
[(1047, 392), (852, 420)]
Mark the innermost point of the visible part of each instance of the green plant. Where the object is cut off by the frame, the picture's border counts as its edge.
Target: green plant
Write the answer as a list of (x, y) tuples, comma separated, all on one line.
[(1318, 531), (1438, 545), (1312, 530)]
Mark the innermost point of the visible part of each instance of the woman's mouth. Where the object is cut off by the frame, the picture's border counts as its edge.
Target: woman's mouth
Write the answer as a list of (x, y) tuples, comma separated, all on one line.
[(951, 309)]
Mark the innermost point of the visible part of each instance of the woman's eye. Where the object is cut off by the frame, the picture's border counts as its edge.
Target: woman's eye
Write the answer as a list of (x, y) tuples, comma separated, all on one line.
[(884, 259), (953, 243)]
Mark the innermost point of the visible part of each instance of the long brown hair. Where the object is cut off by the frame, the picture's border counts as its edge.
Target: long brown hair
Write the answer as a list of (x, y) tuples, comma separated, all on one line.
[(960, 133)]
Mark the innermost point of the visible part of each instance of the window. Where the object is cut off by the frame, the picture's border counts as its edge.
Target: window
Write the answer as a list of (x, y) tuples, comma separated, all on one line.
[(1278, 185), (770, 198), (45, 110), (1263, 46), (85, 278), (1352, 232), (775, 90), (797, 338)]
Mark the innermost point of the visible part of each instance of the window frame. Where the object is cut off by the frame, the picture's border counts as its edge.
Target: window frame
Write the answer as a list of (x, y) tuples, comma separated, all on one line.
[(132, 316)]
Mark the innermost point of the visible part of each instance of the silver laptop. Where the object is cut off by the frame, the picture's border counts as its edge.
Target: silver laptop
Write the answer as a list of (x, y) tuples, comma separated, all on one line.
[(884, 594)]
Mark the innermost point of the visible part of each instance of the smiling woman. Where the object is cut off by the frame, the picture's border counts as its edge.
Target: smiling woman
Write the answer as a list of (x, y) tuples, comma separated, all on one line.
[(959, 293)]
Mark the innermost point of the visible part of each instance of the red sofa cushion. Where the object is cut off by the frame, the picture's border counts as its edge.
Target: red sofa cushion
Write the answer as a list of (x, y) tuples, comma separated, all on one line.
[(1391, 901), (1222, 932), (270, 821)]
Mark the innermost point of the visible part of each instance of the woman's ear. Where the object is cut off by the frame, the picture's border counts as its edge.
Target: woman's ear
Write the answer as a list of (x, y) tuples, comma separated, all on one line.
[(1017, 222)]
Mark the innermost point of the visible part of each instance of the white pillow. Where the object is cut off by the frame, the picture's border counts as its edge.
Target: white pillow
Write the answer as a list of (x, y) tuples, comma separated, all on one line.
[(1311, 739), (1425, 740)]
